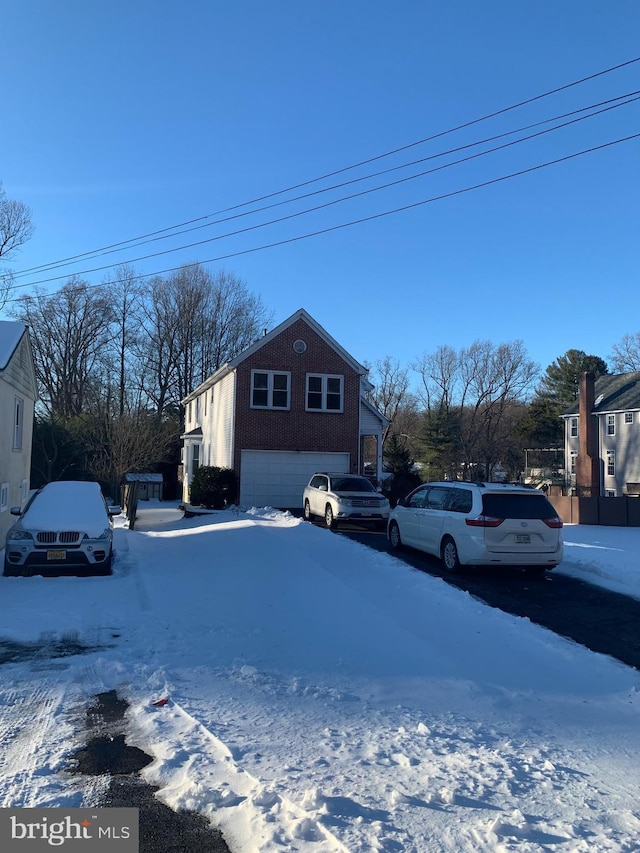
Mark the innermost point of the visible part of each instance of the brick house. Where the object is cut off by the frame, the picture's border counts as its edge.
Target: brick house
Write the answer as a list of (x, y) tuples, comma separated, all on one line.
[(290, 404), (602, 436)]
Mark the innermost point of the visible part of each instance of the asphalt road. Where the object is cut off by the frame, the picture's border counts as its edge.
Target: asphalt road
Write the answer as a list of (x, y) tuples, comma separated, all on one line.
[(602, 621)]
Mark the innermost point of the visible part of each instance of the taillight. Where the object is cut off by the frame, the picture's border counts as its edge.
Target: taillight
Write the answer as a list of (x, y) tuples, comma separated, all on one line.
[(553, 522), (484, 521)]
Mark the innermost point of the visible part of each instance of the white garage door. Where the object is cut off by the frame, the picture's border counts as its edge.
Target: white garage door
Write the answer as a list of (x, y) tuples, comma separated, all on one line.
[(277, 477)]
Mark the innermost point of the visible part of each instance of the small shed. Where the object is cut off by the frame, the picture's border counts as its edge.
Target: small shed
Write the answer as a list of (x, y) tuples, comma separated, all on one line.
[(149, 485)]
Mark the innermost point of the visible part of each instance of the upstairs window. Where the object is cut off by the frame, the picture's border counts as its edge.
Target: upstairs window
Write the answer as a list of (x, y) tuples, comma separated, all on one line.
[(611, 424), (574, 427), (270, 389), (325, 393), (628, 417)]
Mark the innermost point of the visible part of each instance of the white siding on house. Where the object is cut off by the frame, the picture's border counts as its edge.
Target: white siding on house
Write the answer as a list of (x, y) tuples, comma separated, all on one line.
[(218, 427), (626, 446)]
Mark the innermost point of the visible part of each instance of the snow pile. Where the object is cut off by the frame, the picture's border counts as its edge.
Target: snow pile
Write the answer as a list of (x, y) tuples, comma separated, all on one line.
[(325, 697)]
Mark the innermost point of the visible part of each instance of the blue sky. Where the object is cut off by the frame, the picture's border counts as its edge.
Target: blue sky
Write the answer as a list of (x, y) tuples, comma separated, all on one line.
[(121, 119)]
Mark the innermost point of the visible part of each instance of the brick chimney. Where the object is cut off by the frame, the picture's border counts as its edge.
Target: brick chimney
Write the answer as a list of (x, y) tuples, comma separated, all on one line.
[(588, 460)]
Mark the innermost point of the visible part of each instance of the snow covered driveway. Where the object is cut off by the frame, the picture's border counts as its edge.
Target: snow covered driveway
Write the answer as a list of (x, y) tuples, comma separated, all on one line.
[(322, 697)]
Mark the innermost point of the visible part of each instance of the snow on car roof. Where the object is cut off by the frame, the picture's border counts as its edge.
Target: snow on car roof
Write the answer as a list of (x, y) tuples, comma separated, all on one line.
[(70, 505)]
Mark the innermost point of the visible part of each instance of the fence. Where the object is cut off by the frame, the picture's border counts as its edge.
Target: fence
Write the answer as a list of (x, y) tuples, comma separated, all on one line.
[(615, 512)]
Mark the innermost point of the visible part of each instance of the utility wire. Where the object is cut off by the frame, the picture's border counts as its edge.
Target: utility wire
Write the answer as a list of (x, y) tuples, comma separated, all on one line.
[(338, 200), (370, 218), (345, 168), (132, 245)]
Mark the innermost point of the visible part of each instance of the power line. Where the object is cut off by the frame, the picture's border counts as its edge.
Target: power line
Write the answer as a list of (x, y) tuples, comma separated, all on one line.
[(370, 218), (336, 172), (610, 101), (338, 200)]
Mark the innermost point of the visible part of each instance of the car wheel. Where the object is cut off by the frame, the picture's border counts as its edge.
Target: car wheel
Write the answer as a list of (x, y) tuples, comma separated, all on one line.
[(394, 536), (449, 555), (329, 518), (307, 511), (106, 568)]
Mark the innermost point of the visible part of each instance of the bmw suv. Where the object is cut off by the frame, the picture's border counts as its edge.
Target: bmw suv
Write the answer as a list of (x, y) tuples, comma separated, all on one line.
[(479, 524), (344, 497)]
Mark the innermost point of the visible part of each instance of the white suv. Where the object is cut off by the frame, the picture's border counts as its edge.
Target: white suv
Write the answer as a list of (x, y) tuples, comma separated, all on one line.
[(479, 524), (344, 497)]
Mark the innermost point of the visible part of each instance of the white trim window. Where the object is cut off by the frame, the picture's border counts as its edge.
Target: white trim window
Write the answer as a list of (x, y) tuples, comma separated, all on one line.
[(628, 417), (18, 423), (574, 427), (4, 497), (572, 462), (325, 392), (609, 493), (611, 463), (195, 458), (270, 389), (611, 424)]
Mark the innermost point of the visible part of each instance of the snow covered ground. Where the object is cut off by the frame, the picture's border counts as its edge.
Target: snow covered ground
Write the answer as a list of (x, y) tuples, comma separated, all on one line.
[(325, 697)]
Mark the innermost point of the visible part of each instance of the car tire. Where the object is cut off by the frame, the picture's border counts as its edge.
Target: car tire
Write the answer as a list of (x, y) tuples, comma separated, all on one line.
[(329, 518), (307, 511), (105, 568), (449, 555), (395, 540)]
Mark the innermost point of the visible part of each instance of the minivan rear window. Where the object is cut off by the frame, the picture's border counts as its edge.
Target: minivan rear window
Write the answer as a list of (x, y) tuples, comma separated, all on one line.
[(517, 506)]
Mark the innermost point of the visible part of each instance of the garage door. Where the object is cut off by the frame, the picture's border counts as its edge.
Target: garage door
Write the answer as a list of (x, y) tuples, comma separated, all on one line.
[(277, 477)]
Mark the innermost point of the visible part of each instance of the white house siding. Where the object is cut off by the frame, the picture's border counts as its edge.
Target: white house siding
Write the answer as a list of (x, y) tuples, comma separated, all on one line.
[(218, 425), (17, 380), (626, 446)]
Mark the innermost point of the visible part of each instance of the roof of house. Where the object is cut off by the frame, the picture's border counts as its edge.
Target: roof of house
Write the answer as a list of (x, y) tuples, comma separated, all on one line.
[(142, 478), (300, 314), (615, 392), (10, 336)]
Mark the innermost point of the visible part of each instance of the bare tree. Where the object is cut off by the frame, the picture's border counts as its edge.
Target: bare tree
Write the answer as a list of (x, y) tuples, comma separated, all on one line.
[(15, 229), (70, 331), (124, 291), (391, 393), (469, 398), (195, 321), (626, 354)]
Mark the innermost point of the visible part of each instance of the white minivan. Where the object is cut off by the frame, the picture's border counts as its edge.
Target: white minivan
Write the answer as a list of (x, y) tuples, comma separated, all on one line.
[(479, 524)]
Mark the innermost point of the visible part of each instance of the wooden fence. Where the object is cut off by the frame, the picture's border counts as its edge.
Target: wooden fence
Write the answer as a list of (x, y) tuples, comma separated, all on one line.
[(615, 512)]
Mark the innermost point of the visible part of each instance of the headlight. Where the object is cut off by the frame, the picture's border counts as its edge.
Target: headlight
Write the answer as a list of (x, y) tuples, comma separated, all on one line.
[(17, 535), (105, 533)]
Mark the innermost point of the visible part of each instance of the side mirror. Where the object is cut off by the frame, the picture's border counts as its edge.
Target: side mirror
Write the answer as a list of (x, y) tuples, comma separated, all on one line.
[(15, 510), (115, 510)]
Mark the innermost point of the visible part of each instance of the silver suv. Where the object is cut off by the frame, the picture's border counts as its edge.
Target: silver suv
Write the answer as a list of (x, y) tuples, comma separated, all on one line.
[(344, 497), (479, 524), (66, 526)]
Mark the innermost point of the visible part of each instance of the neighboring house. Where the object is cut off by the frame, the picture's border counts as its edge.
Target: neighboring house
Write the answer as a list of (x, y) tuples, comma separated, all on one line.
[(291, 404), (149, 485), (17, 399), (602, 436)]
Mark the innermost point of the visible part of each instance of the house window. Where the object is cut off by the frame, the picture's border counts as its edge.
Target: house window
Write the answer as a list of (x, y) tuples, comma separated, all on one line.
[(628, 417), (195, 458), (611, 424), (325, 393), (24, 490), (611, 463), (205, 403), (269, 389), (574, 427), (4, 497), (573, 463), (609, 493), (18, 423)]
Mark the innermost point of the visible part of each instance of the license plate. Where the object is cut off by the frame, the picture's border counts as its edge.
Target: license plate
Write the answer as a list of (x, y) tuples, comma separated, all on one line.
[(523, 539), (56, 555)]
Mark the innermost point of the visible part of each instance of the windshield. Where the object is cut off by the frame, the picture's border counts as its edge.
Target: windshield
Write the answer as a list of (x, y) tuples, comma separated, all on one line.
[(351, 484)]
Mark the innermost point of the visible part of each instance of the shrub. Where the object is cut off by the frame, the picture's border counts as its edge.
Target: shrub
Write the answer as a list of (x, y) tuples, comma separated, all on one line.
[(213, 487)]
